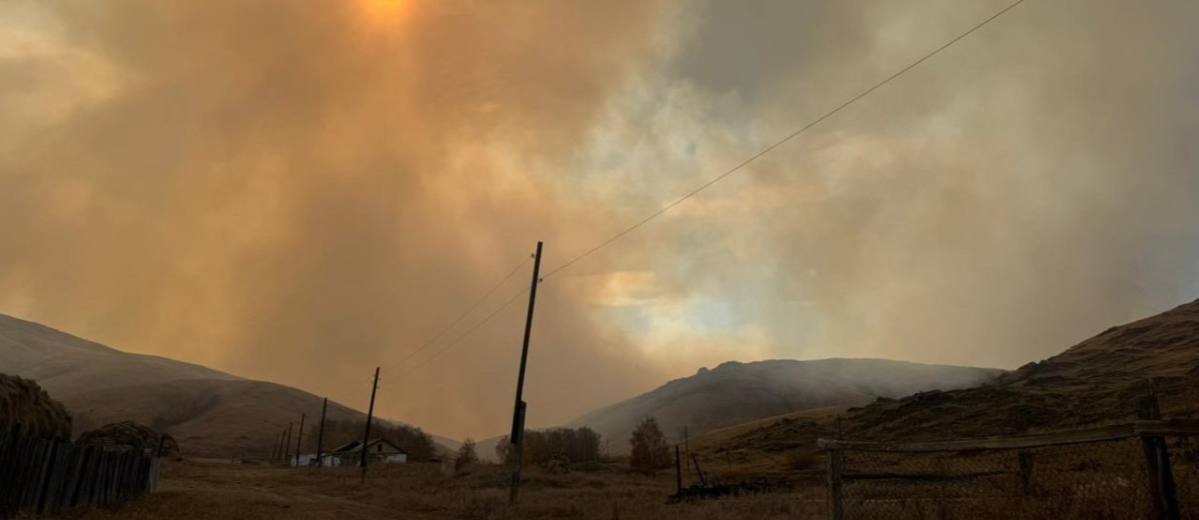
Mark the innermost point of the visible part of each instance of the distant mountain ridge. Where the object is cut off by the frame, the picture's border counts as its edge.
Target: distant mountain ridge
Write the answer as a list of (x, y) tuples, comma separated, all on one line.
[(210, 413), (1097, 380), (735, 392), (63, 363)]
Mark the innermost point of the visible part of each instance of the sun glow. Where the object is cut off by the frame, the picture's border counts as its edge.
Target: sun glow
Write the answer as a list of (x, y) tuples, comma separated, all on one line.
[(384, 13)]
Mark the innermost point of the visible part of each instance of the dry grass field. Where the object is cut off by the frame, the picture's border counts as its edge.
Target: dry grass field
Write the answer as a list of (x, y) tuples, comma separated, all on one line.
[(213, 490)]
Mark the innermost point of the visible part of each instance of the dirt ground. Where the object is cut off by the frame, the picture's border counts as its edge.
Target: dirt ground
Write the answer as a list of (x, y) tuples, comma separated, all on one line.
[(212, 490)]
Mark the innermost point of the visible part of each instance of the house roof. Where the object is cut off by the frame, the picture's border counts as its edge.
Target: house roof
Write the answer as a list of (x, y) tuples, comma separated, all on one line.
[(354, 447)]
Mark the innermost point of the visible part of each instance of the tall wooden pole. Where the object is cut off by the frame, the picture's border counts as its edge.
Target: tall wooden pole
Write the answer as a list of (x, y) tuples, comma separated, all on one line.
[(1163, 492), (370, 414), (320, 435), (518, 412), (286, 444), (279, 449), (836, 463), (278, 446), (686, 445), (299, 439), (678, 473)]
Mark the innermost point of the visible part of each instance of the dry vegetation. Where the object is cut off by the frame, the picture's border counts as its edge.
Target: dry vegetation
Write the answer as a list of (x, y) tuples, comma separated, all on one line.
[(24, 401), (1071, 483), (211, 490)]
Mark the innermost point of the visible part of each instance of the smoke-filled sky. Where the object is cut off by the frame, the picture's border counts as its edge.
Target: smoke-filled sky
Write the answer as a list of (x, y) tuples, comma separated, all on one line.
[(302, 191)]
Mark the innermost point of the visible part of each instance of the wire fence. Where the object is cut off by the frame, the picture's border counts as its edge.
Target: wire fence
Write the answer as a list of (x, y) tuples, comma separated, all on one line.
[(48, 476), (1093, 480), (1144, 469)]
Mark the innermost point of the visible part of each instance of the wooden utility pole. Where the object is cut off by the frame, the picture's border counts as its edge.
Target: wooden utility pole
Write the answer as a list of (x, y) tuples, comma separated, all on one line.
[(518, 412), (678, 472), (1162, 491), (286, 444), (299, 439), (688, 456), (836, 463), (275, 449), (370, 414), (320, 435)]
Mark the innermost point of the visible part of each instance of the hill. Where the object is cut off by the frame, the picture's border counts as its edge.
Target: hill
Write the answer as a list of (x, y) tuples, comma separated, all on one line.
[(1094, 381), (210, 413), (734, 393), (64, 364)]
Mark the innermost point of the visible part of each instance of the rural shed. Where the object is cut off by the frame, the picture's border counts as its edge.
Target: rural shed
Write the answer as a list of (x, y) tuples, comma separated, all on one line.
[(309, 459), (380, 451)]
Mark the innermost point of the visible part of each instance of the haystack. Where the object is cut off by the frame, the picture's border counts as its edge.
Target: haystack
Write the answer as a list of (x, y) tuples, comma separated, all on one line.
[(23, 401), (130, 437)]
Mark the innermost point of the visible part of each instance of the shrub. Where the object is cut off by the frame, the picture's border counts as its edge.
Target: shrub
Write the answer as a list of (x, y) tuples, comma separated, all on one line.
[(557, 447), (466, 455), (650, 451)]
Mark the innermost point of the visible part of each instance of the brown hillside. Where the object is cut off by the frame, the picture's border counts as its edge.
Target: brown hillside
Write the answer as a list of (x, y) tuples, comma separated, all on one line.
[(1095, 381), (208, 417), (733, 393), (210, 413)]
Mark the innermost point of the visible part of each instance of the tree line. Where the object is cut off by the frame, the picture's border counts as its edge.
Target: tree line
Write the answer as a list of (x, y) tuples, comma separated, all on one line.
[(418, 444), (562, 447), (554, 447)]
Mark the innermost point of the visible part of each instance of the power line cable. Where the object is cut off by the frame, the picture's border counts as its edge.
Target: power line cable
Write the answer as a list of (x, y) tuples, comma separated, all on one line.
[(468, 332), (433, 340), (709, 183), (780, 142)]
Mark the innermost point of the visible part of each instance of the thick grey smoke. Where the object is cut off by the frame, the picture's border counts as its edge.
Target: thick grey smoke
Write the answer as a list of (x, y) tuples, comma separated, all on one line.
[(300, 191), (1025, 189)]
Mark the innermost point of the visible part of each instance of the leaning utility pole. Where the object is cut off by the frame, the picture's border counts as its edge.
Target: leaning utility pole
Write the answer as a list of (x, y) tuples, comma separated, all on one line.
[(686, 444), (299, 439), (518, 413), (370, 413), (275, 453), (320, 435), (286, 444)]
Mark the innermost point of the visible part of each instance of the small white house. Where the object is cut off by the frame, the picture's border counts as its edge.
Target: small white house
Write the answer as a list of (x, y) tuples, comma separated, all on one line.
[(309, 459), (380, 451)]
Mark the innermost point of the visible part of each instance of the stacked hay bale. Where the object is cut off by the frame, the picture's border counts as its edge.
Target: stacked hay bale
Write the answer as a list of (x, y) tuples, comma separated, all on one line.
[(23, 401), (129, 436)]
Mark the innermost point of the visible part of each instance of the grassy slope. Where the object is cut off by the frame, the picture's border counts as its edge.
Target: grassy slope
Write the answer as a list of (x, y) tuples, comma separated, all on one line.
[(734, 393), (210, 413), (1095, 381)]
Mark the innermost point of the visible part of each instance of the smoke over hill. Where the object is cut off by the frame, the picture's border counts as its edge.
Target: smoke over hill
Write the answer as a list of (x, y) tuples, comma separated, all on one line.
[(734, 392)]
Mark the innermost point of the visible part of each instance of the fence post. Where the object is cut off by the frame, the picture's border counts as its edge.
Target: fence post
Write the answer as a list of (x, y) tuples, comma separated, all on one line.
[(36, 474), (1026, 466), (703, 481), (62, 464), (678, 472), (1162, 492), (47, 477), (11, 450), (836, 463)]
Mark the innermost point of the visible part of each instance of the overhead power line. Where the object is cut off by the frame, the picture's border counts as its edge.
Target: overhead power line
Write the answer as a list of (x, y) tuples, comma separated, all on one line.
[(468, 331), (780, 142), (738, 167), (471, 308)]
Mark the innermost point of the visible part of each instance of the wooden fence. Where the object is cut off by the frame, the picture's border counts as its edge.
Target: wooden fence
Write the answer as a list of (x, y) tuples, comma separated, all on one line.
[(44, 476), (1152, 434)]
